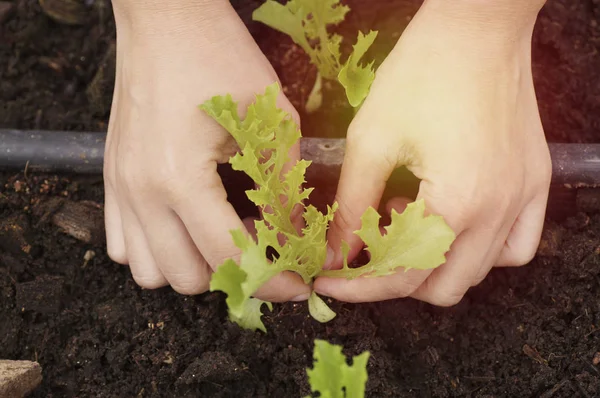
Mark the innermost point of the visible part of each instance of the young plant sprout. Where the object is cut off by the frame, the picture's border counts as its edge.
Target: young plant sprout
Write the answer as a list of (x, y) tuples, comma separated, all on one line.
[(265, 137), (306, 22), (332, 377)]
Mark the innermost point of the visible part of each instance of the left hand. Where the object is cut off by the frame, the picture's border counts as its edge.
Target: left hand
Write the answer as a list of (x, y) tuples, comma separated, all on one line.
[(456, 104)]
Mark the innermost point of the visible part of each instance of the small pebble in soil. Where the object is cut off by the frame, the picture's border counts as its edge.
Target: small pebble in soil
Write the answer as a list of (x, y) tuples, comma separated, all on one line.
[(42, 295), (552, 237), (596, 359), (87, 257)]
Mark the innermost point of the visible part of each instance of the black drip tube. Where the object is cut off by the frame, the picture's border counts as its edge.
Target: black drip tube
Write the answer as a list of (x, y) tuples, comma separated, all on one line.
[(574, 165)]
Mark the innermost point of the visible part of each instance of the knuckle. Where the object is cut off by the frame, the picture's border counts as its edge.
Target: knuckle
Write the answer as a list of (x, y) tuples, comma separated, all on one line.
[(447, 299), (190, 286), (131, 178), (400, 289), (177, 188), (447, 296), (362, 147), (520, 256), (543, 171), (218, 257), (149, 282)]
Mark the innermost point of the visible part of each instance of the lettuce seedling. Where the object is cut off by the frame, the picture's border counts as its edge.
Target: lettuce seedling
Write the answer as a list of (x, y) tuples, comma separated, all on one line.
[(265, 137), (306, 22), (332, 377)]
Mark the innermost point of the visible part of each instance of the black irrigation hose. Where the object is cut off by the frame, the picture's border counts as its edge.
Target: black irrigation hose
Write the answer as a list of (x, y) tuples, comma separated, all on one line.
[(574, 165), (52, 151)]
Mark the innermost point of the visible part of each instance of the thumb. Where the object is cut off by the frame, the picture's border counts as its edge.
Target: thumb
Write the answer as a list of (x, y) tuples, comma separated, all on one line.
[(363, 178)]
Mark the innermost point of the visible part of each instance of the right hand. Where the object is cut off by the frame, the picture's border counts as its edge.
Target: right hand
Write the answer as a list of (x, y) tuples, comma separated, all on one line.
[(167, 213)]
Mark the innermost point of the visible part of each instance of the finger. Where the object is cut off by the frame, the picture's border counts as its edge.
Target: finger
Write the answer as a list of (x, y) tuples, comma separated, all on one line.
[(279, 283), (366, 289), (398, 204), (524, 237), (400, 284), (250, 226), (209, 218), (286, 286), (494, 251), (144, 269), (174, 251), (115, 240), (363, 178), (448, 283)]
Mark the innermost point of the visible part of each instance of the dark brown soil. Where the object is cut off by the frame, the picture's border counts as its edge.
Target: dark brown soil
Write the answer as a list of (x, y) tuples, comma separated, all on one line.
[(525, 332)]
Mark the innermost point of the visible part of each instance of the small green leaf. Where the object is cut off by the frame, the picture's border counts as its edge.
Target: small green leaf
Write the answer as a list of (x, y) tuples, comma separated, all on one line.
[(357, 79), (331, 375), (228, 278), (283, 19), (412, 240), (306, 22), (251, 315), (355, 378), (318, 309)]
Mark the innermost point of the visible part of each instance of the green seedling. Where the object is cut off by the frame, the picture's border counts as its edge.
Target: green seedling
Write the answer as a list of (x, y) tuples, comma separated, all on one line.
[(307, 23), (332, 377), (265, 137)]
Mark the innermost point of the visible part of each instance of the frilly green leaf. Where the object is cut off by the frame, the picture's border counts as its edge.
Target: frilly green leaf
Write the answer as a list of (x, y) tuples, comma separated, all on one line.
[(251, 315), (412, 240), (357, 79), (332, 377)]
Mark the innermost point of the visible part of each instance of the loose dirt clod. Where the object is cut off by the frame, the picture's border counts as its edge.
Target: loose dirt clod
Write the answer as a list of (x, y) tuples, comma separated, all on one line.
[(6, 10), (19, 378), (82, 220), (212, 365), (42, 295), (552, 237)]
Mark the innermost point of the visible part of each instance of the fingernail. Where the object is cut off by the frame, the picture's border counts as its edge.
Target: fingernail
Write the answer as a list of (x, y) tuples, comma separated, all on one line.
[(329, 259), (302, 297)]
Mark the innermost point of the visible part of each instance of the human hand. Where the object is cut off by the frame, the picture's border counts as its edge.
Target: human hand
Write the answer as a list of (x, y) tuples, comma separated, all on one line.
[(167, 213), (455, 103)]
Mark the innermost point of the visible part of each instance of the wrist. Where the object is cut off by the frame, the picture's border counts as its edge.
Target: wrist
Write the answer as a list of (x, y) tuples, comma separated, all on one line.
[(156, 18), (500, 19)]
